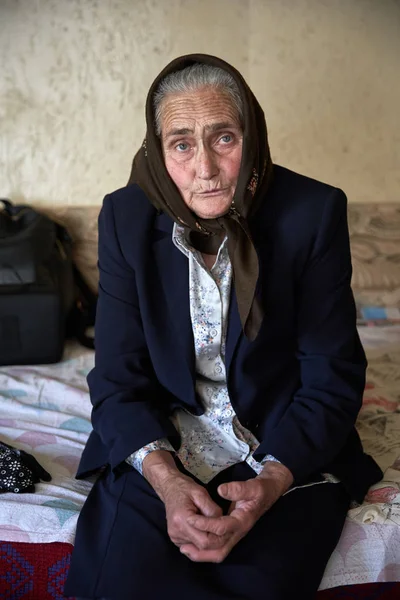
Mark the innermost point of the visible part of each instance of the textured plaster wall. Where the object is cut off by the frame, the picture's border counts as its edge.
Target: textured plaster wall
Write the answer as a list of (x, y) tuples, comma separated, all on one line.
[(74, 76)]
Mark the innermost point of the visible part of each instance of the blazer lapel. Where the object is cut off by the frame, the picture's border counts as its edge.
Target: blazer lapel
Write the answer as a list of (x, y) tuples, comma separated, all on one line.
[(173, 272), (234, 330)]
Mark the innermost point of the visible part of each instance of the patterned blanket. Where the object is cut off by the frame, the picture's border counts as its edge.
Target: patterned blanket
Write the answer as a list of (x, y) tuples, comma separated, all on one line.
[(45, 410)]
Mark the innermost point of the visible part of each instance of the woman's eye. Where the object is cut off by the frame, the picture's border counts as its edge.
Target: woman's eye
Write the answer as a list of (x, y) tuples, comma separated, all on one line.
[(182, 147), (226, 138)]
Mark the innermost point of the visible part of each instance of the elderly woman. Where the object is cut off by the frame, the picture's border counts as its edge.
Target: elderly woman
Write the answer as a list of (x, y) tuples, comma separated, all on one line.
[(229, 373)]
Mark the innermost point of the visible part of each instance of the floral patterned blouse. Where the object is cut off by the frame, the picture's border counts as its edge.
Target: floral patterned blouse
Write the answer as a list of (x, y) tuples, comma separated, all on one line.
[(215, 440)]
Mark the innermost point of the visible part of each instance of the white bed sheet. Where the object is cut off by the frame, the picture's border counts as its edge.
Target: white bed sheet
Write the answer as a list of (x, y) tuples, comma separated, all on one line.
[(45, 410)]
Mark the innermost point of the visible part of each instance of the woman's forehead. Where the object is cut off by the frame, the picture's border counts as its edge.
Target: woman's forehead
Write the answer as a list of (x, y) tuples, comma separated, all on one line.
[(206, 108)]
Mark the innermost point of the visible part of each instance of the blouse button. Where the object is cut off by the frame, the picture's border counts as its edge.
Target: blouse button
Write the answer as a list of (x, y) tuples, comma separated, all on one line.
[(213, 332), (218, 370)]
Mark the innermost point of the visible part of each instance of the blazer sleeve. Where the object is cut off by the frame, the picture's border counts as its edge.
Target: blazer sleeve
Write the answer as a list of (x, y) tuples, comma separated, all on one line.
[(129, 404), (323, 411)]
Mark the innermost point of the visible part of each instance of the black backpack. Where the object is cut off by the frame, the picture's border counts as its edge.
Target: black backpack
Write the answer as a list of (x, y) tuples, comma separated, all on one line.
[(43, 297)]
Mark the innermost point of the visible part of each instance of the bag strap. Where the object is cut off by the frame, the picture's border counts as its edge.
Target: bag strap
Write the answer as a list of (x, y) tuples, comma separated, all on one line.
[(6, 224), (7, 205), (13, 210)]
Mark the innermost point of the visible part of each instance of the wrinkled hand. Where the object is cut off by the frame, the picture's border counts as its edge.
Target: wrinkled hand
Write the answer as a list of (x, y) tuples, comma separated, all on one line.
[(250, 500), (185, 499)]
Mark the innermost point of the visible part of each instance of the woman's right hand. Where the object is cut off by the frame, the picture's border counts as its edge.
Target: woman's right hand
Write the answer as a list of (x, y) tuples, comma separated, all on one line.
[(183, 498)]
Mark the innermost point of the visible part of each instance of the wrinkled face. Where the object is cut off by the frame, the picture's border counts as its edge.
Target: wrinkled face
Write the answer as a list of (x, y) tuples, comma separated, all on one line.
[(202, 144)]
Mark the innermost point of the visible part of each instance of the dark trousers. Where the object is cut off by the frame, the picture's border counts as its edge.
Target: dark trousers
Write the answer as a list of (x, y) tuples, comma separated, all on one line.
[(123, 551)]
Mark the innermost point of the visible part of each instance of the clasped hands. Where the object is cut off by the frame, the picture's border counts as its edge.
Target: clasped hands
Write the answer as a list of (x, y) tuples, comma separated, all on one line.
[(196, 523)]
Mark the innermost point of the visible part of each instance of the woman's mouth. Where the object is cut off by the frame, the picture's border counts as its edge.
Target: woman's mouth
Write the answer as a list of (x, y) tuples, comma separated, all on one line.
[(211, 193)]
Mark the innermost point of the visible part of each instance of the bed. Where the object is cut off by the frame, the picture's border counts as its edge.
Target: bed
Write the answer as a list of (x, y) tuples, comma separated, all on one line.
[(45, 410)]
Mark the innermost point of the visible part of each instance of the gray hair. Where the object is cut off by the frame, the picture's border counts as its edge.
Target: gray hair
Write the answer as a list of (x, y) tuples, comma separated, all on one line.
[(193, 78)]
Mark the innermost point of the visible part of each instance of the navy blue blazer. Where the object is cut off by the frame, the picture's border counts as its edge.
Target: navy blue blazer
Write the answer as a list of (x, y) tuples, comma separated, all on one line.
[(298, 386)]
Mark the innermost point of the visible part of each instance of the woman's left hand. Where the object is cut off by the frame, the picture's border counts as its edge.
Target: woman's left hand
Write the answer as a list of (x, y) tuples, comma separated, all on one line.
[(250, 500)]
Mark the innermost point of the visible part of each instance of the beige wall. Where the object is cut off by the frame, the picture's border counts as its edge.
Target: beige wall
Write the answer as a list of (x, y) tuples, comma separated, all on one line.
[(74, 76)]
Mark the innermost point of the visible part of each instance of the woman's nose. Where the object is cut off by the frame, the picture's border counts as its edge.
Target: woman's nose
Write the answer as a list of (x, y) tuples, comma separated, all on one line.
[(206, 165)]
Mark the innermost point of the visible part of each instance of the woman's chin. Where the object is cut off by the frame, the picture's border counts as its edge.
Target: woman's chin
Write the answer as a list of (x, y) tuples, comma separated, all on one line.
[(214, 211)]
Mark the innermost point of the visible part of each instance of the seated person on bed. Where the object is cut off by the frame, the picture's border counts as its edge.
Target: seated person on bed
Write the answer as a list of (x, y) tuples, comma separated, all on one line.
[(229, 372)]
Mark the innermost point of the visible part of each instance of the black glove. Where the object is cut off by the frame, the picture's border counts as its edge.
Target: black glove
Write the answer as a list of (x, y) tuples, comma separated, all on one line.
[(19, 471)]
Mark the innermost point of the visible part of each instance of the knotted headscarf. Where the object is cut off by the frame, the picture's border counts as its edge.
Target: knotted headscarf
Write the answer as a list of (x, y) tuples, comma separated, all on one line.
[(150, 173)]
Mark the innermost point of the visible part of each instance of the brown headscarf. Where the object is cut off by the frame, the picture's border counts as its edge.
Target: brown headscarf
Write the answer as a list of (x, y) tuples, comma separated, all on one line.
[(150, 173)]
